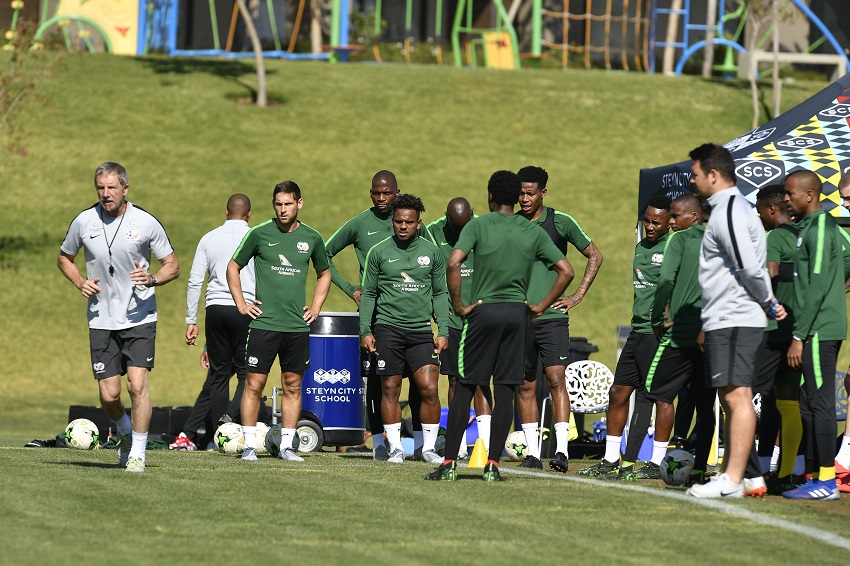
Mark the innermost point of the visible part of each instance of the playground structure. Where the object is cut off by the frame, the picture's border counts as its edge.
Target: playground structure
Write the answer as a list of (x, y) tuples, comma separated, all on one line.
[(624, 34)]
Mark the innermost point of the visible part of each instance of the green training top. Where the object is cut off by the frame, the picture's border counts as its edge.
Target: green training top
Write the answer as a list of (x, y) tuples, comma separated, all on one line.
[(542, 278), (678, 287), (443, 236), (280, 265), (403, 286), (646, 269), (819, 279), (363, 231), (782, 250), (505, 246)]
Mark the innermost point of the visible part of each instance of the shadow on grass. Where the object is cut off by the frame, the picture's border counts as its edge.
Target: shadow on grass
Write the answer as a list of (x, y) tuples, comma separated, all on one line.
[(229, 69), (15, 251), (89, 465)]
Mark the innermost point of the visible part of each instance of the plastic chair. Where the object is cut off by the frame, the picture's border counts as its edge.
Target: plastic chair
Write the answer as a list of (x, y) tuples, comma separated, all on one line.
[(588, 383)]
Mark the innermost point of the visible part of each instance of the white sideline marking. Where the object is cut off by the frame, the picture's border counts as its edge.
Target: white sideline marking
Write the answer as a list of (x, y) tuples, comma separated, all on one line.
[(716, 504)]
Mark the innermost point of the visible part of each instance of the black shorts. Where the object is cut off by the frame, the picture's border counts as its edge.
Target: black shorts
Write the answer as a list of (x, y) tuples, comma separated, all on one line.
[(635, 360), (112, 351), (448, 357), (292, 349), (671, 370), (548, 341), (731, 355), (773, 369), (399, 348), (493, 344)]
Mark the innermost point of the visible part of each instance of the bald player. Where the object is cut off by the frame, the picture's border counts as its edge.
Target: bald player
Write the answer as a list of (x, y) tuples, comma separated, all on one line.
[(444, 232), (819, 328), (225, 329)]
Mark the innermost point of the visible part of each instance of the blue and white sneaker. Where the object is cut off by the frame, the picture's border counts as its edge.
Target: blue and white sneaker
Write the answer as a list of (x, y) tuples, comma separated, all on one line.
[(289, 454), (815, 490), (249, 454), (396, 456)]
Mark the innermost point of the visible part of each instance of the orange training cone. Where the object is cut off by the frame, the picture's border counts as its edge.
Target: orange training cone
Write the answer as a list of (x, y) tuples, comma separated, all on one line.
[(478, 459)]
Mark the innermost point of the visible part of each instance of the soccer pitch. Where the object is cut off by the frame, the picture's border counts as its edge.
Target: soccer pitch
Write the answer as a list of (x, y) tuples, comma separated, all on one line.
[(72, 507)]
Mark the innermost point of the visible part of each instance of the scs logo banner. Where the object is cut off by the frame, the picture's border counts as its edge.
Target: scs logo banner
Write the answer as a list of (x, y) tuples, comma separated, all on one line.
[(758, 173), (800, 143)]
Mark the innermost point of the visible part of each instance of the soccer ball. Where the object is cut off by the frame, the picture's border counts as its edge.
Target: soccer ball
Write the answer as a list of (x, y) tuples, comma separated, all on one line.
[(273, 437), (260, 442), (676, 467), (82, 434), (228, 439), (516, 447)]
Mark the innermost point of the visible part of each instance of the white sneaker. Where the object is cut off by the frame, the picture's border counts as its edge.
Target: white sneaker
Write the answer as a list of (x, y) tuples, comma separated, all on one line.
[(462, 455), (718, 486), (380, 453), (431, 457), (755, 487), (289, 454), (249, 454), (396, 456), (135, 465)]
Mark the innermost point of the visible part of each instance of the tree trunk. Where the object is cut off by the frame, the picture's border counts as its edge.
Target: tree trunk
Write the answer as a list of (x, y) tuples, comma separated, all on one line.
[(672, 34), (258, 52), (710, 23), (316, 25)]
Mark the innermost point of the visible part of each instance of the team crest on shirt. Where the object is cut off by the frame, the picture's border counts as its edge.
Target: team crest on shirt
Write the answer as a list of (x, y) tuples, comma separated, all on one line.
[(657, 258), (407, 278), (283, 260), (302, 247), (132, 235), (423, 260)]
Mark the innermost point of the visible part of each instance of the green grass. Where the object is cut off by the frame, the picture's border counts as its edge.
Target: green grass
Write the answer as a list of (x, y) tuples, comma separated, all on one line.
[(72, 507), (188, 146)]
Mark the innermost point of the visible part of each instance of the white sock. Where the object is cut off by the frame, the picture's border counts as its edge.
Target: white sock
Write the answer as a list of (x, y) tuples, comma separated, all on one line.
[(287, 435), (562, 438), (123, 425), (764, 464), (843, 456), (774, 459), (531, 439), (140, 442), (419, 439), (249, 433), (612, 448), (799, 465), (659, 449), (483, 422), (393, 432), (463, 450), (429, 435)]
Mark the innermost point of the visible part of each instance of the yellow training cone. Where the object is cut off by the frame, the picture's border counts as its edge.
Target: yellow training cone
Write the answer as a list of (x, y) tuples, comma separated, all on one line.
[(479, 455), (573, 435)]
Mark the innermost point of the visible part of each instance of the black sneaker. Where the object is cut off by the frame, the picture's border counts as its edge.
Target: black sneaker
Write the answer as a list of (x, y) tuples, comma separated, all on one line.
[(778, 486), (446, 472), (649, 472), (560, 463), (695, 478), (599, 470), (532, 462), (622, 473), (491, 472)]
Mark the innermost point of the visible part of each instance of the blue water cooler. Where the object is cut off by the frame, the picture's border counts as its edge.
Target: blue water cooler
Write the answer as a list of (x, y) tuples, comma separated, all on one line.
[(333, 393)]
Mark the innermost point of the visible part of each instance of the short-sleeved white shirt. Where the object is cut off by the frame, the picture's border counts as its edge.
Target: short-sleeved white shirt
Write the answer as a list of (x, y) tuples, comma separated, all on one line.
[(131, 237)]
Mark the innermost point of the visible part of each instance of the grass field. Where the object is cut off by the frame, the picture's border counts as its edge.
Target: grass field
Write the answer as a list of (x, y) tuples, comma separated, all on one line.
[(188, 146), (72, 507)]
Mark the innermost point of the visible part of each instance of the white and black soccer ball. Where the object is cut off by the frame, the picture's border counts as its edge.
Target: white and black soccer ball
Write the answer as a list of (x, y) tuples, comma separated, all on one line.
[(516, 447), (260, 442), (229, 439), (82, 434), (676, 467)]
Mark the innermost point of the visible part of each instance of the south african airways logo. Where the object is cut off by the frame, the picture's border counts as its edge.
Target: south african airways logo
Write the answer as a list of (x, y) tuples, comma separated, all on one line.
[(283, 260), (407, 278)]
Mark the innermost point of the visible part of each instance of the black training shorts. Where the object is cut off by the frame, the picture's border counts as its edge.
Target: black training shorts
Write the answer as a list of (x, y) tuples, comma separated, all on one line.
[(112, 351), (292, 349), (493, 344)]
